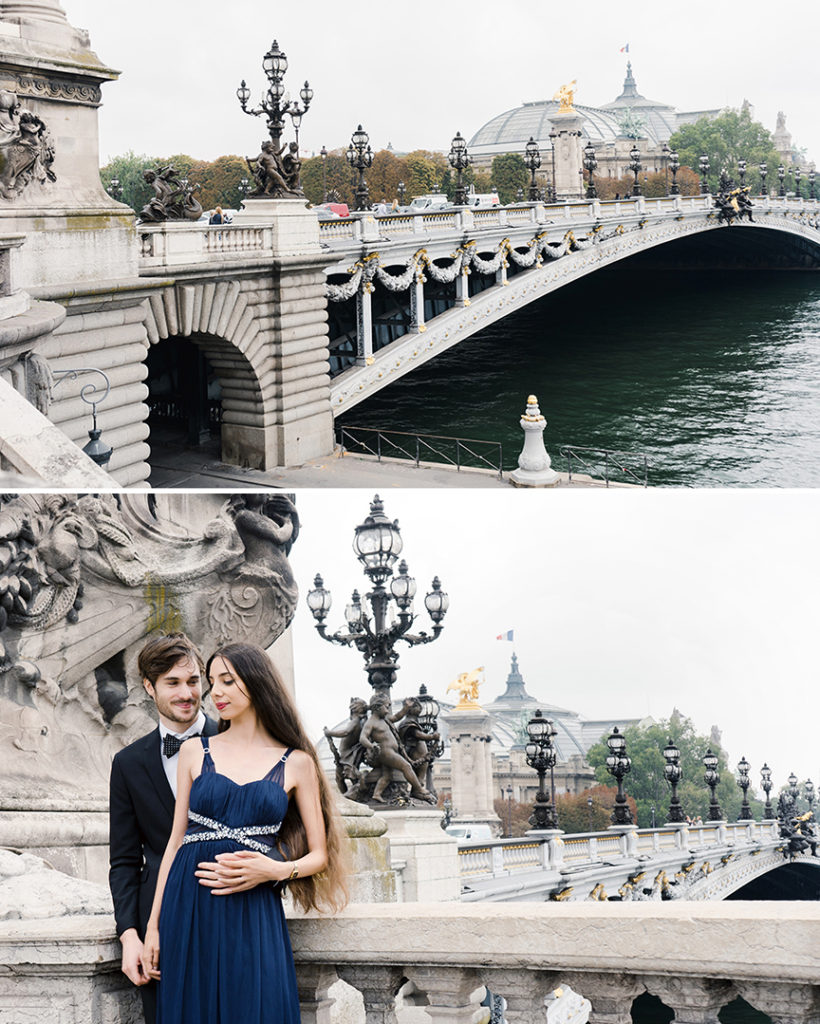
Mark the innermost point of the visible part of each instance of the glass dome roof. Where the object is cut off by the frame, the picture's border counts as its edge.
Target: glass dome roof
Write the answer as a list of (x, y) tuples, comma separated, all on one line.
[(511, 130)]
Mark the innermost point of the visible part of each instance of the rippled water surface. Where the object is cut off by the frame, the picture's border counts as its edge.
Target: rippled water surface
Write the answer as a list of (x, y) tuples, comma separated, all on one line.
[(715, 377)]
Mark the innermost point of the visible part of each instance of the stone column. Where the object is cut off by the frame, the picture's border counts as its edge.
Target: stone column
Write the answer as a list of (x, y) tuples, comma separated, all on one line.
[(364, 326), (611, 995), (315, 1002), (417, 325), (524, 991), (568, 155), (378, 986), (534, 464), (471, 764), (694, 1000), (429, 855), (786, 1003), (462, 288), (454, 993)]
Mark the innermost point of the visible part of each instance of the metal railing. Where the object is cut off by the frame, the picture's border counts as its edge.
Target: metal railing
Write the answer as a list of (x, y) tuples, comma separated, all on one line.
[(613, 461), (461, 452)]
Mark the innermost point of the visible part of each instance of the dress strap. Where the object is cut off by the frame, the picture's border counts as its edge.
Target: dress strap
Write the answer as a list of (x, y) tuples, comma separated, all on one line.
[(207, 760), (277, 773)]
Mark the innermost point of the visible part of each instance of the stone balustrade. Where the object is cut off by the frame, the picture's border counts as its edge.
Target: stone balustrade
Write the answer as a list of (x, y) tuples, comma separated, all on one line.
[(692, 862)]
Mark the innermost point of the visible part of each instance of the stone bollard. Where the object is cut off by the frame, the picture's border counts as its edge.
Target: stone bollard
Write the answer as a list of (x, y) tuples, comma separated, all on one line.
[(534, 466)]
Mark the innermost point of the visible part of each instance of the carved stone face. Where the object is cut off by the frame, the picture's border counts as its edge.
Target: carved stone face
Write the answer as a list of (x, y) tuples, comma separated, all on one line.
[(177, 694)]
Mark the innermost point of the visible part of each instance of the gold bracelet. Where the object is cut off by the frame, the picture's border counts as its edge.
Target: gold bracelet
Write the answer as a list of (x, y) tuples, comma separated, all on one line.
[(295, 872)]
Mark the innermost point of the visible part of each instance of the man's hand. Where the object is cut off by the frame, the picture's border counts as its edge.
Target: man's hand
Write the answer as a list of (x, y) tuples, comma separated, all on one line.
[(131, 955), (238, 872)]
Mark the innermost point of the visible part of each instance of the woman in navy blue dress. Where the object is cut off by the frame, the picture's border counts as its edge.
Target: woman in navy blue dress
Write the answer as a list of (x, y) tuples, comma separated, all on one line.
[(253, 814)]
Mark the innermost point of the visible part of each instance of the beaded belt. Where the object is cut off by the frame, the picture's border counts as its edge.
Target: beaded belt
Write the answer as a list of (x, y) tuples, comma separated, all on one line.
[(242, 834)]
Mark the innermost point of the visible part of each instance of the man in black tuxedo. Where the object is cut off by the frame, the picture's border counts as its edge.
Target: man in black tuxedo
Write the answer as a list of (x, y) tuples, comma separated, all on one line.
[(143, 790)]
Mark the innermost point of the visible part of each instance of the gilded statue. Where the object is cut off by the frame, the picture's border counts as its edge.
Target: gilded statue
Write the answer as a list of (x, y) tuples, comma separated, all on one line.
[(467, 685), (565, 96)]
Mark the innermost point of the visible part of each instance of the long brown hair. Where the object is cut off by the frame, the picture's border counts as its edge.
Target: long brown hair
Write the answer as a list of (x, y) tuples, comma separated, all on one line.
[(277, 714)]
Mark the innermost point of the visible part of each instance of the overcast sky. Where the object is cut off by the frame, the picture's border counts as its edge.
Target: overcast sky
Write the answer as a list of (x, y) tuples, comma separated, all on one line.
[(623, 603), (415, 74)]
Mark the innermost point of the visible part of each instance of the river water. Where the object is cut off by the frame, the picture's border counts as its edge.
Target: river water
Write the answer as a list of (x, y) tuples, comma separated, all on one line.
[(714, 376)]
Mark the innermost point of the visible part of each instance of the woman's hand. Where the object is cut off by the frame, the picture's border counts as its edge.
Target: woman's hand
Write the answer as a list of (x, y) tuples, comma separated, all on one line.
[(150, 952), (240, 871)]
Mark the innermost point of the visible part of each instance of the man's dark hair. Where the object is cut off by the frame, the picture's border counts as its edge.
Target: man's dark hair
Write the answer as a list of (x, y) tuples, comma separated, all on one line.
[(161, 653)]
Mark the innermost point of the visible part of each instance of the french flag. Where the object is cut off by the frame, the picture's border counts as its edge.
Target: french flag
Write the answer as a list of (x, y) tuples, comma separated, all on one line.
[(506, 636), (625, 49)]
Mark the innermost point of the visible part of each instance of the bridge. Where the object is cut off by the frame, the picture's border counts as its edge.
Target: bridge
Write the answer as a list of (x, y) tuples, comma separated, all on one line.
[(695, 862), (298, 321)]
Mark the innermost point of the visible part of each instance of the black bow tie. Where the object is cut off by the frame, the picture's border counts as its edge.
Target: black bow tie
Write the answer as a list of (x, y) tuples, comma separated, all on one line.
[(171, 743)]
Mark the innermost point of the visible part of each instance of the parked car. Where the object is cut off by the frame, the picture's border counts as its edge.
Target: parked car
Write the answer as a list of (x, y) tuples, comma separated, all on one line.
[(431, 201), (332, 211), (470, 833)]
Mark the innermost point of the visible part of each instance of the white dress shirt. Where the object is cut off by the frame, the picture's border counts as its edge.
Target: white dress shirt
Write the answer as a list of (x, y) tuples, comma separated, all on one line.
[(170, 763)]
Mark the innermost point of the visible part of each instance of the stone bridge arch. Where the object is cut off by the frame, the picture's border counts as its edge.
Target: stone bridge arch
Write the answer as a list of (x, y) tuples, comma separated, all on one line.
[(222, 320), (777, 238), (752, 869)]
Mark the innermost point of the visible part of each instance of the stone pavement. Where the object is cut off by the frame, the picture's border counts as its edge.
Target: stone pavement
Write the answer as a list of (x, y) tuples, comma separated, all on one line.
[(173, 466)]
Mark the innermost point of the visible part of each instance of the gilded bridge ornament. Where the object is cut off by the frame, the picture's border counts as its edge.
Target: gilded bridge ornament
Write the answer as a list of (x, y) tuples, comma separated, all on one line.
[(467, 686), (565, 97), (26, 148)]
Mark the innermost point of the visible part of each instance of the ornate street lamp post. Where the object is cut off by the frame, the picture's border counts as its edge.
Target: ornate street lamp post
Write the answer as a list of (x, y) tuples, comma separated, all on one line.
[(712, 778), (509, 794), (323, 155), (401, 188), (378, 544), (741, 170), (781, 174), (665, 153), (540, 753), (797, 176), (552, 191), (589, 811), (360, 157), (459, 160), (115, 189), (674, 167), (703, 164), (764, 170), (276, 105), (635, 167), (532, 158), (590, 163), (673, 772), (243, 188), (95, 448), (812, 177), (766, 783), (808, 790), (619, 765), (743, 769), (794, 792)]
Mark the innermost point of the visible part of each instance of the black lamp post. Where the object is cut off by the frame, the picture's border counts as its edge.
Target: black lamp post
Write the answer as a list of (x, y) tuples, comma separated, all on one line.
[(703, 164), (673, 772), (794, 792), (95, 448), (797, 176), (553, 191), (508, 792), (635, 167), (459, 159), (589, 811), (590, 163), (276, 105), (619, 765), (540, 753), (812, 177), (781, 174), (323, 155), (764, 170), (712, 778), (360, 157), (243, 188), (532, 158), (741, 172), (808, 790), (743, 769), (378, 544), (401, 188), (115, 189), (674, 167), (766, 783), (665, 154)]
